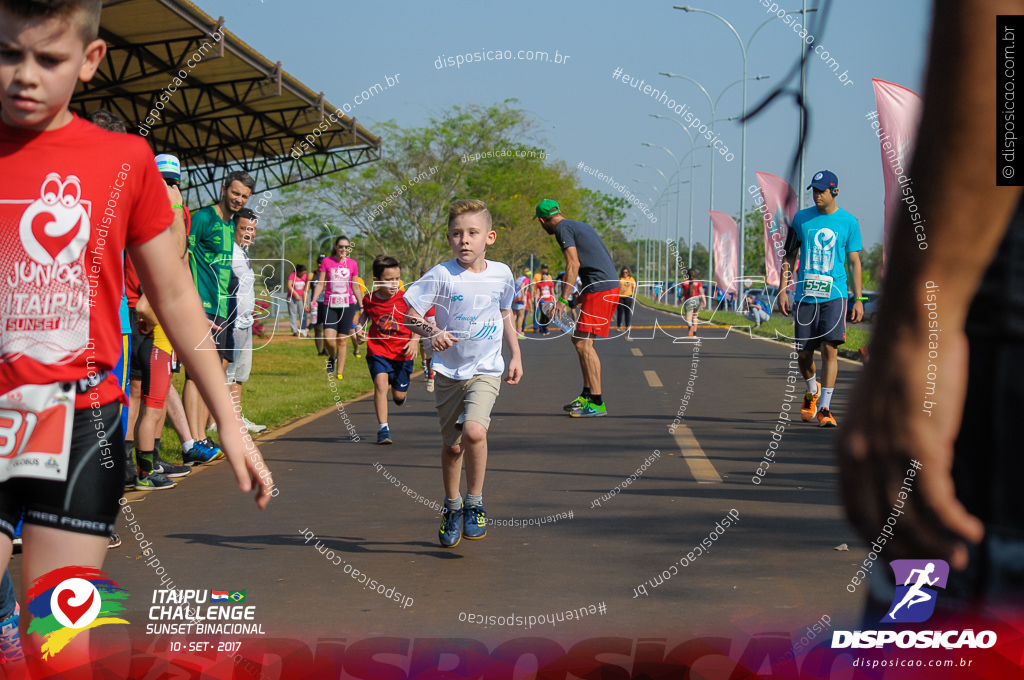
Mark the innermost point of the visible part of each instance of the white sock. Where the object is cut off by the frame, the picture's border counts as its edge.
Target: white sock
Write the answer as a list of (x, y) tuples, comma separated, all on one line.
[(826, 397), (812, 385), (187, 446), (382, 426)]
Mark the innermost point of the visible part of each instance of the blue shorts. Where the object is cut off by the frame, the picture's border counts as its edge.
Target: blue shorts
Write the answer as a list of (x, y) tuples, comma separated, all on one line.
[(398, 370), (818, 322)]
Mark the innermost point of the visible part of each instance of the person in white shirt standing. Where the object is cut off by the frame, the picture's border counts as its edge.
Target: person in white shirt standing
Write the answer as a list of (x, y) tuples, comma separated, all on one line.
[(243, 287)]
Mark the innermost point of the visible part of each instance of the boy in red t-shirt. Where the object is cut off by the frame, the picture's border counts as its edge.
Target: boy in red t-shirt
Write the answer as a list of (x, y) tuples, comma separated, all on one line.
[(73, 198), (390, 345)]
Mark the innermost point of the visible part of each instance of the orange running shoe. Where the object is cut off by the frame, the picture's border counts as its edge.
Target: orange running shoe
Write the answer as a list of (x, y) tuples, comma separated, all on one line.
[(825, 418), (810, 406)]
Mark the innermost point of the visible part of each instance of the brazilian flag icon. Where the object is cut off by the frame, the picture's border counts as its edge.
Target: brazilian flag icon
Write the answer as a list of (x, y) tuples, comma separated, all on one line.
[(237, 596)]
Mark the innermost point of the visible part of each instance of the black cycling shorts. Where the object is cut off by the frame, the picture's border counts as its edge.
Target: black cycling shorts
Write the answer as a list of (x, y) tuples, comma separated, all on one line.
[(341, 319), (87, 503), (135, 365)]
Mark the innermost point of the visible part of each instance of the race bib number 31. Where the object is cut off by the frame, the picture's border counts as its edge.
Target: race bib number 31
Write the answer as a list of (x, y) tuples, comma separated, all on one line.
[(35, 432)]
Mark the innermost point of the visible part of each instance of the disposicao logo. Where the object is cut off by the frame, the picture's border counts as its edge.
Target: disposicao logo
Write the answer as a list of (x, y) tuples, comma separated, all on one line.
[(914, 602), (67, 601)]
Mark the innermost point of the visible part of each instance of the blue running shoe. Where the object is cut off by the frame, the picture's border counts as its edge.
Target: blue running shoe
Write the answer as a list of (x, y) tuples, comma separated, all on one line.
[(10, 644), (384, 435), (451, 527), (475, 522), (201, 452)]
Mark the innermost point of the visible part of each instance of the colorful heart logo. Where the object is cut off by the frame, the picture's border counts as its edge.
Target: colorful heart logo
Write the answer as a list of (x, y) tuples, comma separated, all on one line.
[(47, 220), (74, 613)]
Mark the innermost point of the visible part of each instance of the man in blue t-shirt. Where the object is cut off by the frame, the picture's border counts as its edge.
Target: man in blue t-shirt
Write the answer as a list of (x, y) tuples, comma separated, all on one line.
[(827, 238)]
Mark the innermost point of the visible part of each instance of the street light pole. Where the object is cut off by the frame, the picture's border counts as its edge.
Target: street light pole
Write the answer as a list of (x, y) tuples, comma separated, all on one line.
[(664, 245), (714, 119), (675, 276), (743, 133)]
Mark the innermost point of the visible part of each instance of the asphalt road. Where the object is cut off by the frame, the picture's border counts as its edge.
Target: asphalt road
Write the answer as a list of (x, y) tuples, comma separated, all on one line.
[(775, 569)]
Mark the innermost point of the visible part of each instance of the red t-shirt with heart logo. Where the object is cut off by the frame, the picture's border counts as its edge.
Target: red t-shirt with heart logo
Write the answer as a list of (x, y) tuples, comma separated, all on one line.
[(70, 200)]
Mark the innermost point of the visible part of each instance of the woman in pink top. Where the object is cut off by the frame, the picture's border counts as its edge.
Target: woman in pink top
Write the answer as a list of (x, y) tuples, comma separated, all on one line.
[(296, 297), (342, 298)]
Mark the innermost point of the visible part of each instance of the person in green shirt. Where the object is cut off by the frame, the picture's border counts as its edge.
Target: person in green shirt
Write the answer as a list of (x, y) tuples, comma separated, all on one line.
[(210, 242)]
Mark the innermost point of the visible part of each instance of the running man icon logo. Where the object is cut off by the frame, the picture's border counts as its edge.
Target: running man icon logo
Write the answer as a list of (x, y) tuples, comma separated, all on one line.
[(914, 600)]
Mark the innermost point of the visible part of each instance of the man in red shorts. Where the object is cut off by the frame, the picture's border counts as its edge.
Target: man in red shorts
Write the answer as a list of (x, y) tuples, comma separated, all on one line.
[(598, 296)]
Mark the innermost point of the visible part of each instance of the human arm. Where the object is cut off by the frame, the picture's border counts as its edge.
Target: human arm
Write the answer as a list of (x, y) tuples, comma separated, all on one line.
[(146, 315), (411, 346), (857, 313), (361, 327), (511, 336), (788, 265), (178, 232), (440, 340), (357, 289), (954, 172), (176, 302), (572, 268), (321, 277)]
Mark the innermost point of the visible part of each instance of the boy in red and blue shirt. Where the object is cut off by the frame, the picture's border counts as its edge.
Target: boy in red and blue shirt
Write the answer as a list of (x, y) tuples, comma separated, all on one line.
[(390, 345)]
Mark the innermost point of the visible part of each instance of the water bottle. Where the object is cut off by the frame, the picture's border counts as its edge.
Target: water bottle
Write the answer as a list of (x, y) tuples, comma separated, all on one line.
[(565, 321)]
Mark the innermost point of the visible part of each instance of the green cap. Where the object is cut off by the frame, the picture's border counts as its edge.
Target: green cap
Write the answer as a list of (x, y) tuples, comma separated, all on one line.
[(547, 208)]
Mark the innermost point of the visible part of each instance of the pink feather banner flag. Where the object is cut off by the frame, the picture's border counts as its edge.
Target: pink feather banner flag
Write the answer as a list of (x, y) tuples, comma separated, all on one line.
[(778, 210), (899, 112), (725, 251)]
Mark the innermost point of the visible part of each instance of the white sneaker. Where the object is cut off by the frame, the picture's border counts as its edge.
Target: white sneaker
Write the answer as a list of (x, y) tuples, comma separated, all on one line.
[(430, 384), (212, 427), (253, 427)]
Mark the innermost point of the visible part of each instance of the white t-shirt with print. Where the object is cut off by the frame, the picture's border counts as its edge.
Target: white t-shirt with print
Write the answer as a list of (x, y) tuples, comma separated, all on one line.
[(245, 296), (467, 305)]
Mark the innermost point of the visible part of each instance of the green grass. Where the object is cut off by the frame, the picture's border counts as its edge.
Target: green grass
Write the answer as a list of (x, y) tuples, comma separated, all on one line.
[(288, 381), (777, 326)]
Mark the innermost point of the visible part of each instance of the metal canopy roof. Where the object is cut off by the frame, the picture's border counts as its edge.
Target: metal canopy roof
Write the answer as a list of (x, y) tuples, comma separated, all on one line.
[(233, 110)]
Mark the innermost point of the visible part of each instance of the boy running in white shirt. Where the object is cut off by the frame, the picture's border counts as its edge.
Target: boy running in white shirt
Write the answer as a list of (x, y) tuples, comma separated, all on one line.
[(472, 298)]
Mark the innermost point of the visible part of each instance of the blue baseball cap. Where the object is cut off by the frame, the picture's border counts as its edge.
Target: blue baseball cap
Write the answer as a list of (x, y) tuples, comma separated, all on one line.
[(824, 180)]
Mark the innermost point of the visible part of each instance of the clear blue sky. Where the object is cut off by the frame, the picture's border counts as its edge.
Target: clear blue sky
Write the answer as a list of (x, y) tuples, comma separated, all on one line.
[(342, 48)]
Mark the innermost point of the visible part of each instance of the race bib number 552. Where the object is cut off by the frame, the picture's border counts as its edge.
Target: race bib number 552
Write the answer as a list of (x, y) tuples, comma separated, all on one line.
[(35, 432)]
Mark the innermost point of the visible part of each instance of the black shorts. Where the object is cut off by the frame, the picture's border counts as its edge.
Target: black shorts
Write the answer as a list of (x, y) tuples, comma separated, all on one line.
[(87, 502), (818, 322), (321, 313), (341, 319), (135, 365), (224, 338)]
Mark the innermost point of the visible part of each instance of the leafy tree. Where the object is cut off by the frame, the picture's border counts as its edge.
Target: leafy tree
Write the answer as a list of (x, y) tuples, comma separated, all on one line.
[(399, 205), (871, 267)]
